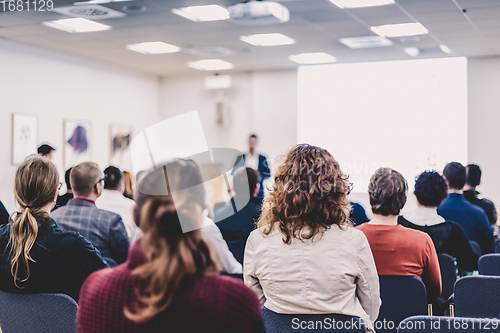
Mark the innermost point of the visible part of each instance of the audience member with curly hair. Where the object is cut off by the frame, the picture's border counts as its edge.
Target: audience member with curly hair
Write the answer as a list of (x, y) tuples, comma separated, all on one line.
[(305, 257), (448, 237), (398, 250)]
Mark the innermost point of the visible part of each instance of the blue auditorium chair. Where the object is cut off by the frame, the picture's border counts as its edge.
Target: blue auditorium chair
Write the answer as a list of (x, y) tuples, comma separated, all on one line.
[(489, 264), (37, 313), (477, 297), (310, 323), (402, 297), (427, 324), (448, 274)]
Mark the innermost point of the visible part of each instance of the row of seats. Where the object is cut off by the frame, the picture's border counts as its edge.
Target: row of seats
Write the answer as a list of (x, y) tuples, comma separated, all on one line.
[(402, 297)]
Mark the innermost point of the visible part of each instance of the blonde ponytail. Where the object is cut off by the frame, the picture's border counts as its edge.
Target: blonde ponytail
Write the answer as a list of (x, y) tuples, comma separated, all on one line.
[(35, 186)]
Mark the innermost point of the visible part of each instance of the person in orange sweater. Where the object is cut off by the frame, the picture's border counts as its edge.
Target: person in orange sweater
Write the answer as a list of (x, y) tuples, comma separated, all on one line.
[(398, 250)]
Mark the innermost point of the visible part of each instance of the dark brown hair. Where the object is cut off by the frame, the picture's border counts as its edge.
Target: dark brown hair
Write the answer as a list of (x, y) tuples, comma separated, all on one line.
[(388, 191), (171, 255), (36, 185), (308, 196)]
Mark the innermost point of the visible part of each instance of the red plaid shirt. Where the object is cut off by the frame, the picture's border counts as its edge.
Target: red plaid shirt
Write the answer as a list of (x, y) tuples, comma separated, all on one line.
[(203, 304)]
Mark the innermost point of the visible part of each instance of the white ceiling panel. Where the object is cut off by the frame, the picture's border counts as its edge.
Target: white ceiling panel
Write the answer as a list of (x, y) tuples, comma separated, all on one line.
[(315, 24)]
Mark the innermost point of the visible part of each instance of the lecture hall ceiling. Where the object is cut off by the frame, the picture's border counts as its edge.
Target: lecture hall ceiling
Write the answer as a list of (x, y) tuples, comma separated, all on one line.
[(316, 25)]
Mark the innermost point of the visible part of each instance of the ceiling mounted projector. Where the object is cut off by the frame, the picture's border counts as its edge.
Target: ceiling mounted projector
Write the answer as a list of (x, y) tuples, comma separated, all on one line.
[(258, 13)]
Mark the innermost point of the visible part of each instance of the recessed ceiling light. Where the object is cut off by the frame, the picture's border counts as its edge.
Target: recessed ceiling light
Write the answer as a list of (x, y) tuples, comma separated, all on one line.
[(153, 48), (445, 49), (398, 30), (268, 39), (365, 42), (77, 25), (412, 51), (210, 65), (360, 3), (203, 13), (312, 58)]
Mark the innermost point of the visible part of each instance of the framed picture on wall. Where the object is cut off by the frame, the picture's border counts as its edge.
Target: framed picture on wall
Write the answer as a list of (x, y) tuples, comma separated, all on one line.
[(24, 136), (120, 137), (77, 136)]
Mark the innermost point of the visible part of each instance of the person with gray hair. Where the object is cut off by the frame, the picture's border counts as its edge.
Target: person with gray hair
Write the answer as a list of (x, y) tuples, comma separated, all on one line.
[(104, 229)]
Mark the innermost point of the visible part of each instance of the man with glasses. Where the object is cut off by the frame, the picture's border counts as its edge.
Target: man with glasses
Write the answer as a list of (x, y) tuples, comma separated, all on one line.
[(104, 229)]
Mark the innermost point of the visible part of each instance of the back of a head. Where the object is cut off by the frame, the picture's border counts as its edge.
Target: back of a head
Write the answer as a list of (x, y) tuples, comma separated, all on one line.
[(430, 189), (388, 192), (129, 184), (36, 184), (67, 179), (454, 173), (245, 180), (83, 178), (113, 178), (163, 206), (473, 172), (309, 195), (45, 149), (183, 181)]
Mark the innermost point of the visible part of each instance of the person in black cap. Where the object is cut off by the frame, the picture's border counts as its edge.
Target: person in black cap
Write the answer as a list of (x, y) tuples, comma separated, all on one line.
[(46, 151)]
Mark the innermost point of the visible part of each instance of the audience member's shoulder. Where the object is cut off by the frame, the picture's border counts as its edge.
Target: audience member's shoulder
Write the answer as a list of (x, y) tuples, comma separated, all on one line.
[(108, 213), (418, 236), (4, 229), (350, 232), (59, 211), (62, 238), (476, 209), (230, 287), (102, 281)]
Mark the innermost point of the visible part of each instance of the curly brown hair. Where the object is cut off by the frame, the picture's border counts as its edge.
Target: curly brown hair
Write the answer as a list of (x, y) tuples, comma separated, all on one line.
[(388, 191), (308, 196)]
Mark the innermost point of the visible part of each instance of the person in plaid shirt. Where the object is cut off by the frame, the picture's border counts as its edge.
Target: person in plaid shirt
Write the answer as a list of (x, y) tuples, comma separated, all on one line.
[(104, 229)]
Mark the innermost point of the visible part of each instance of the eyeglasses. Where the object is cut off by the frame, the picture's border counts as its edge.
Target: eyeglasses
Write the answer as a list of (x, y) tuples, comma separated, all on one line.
[(101, 180), (59, 186)]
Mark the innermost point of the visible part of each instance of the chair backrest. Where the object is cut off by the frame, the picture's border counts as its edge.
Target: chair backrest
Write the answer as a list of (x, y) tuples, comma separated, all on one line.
[(427, 324), (476, 248), (310, 323), (477, 297), (37, 313), (448, 274), (402, 297), (489, 264), (497, 248)]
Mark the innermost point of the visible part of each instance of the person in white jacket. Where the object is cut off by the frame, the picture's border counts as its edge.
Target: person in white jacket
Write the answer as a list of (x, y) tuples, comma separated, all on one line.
[(305, 257), (112, 199)]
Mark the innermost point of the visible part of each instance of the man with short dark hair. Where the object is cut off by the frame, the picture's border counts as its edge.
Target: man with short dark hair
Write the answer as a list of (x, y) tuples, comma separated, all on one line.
[(112, 199), (471, 218), (237, 219), (46, 151), (473, 172), (256, 161), (104, 229), (62, 200)]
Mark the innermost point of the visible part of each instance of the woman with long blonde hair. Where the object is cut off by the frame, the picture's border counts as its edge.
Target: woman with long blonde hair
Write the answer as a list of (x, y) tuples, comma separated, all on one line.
[(35, 255), (305, 257), (170, 282)]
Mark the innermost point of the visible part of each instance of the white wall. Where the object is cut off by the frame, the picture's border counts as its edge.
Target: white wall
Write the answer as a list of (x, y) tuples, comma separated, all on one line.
[(260, 103), (484, 123), (56, 86), (266, 103)]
